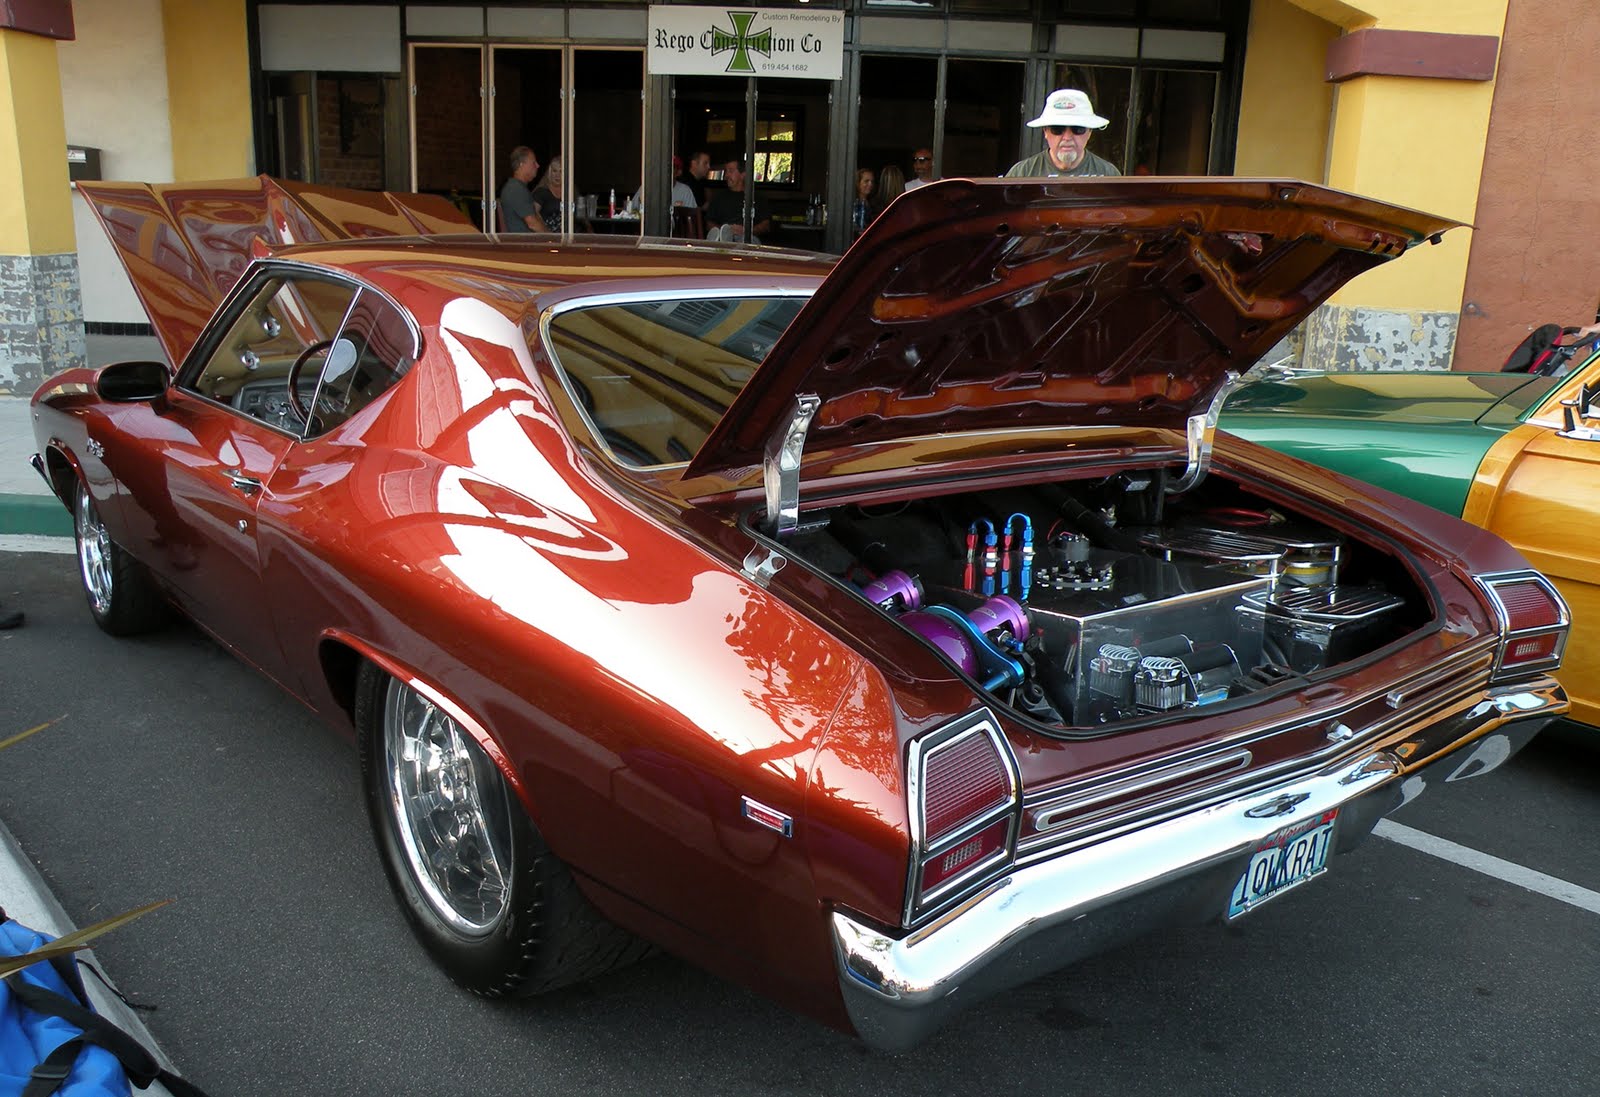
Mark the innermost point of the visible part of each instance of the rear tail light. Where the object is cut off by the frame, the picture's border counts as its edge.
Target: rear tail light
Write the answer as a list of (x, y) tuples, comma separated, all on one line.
[(1533, 621), (965, 802)]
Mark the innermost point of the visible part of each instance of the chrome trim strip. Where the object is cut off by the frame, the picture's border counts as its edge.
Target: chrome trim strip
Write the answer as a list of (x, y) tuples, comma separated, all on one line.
[(1047, 817), (1428, 681), (1037, 919)]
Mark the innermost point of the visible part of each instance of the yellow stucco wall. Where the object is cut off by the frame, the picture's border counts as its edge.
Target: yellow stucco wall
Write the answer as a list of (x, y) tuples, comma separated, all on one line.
[(208, 88), (35, 193), (1286, 101), (1411, 141)]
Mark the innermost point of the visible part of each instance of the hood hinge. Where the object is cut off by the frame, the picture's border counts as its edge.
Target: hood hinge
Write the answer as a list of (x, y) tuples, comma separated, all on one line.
[(780, 467), (1202, 434)]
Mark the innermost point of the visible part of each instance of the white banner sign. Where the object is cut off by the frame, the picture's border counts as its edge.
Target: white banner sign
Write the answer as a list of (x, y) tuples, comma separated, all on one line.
[(746, 42)]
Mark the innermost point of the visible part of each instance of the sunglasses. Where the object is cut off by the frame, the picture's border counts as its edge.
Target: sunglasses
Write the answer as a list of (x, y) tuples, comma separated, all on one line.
[(1057, 131), (920, 159)]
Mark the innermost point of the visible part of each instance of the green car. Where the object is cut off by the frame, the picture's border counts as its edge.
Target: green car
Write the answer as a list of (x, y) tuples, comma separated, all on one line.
[(1511, 452)]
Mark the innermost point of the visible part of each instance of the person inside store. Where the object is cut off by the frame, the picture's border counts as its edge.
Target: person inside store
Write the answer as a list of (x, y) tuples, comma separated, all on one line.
[(547, 198), (861, 210), (682, 203), (517, 211), (891, 185), (1067, 119), (693, 176), (725, 210), (921, 169)]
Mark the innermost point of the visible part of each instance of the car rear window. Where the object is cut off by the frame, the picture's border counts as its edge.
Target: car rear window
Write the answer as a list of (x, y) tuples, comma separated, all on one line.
[(653, 377)]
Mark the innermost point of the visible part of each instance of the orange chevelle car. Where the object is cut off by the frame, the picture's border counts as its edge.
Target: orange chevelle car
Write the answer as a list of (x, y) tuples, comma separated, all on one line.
[(881, 632)]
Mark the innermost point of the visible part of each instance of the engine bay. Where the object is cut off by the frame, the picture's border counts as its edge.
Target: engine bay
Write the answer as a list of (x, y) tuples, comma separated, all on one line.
[(1087, 603)]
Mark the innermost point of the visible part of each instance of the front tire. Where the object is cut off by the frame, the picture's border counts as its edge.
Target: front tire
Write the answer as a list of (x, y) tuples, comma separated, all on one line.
[(122, 598), (493, 906)]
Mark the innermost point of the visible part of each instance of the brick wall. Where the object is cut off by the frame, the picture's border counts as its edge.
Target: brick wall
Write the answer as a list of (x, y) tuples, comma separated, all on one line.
[(449, 130), (349, 153)]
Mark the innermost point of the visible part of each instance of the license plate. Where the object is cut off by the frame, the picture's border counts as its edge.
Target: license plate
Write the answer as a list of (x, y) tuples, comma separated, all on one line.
[(1286, 860)]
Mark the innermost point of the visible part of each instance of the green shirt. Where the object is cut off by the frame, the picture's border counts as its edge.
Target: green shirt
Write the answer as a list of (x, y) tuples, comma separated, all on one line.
[(1039, 166)]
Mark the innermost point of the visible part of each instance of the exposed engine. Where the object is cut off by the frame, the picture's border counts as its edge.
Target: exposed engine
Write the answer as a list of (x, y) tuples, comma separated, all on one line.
[(1086, 604)]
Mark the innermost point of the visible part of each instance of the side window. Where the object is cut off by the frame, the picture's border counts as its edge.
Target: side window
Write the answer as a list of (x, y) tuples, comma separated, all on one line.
[(275, 340), (305, 348), (374, 349)]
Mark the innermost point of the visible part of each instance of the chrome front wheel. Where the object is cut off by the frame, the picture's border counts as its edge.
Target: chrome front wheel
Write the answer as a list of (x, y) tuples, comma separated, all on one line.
[(122, 598), (94, 553)]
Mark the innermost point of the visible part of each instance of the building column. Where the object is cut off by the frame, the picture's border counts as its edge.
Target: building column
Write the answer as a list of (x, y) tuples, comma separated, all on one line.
[(41, 306), (208, 88), (1414, 88)]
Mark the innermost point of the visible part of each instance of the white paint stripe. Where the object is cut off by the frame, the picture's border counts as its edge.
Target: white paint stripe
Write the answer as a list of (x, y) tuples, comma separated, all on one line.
[(1509, 871), (27, 542)]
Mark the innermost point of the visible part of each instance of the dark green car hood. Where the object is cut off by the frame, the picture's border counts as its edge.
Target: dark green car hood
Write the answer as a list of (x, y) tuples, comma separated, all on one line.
[(1422, 435)]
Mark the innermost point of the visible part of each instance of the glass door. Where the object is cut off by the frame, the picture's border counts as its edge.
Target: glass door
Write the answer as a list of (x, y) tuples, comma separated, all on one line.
[(447, 151), (898, 96), (290, 109), (778, 128), (1175, 122), (525, 107), (605, 148), (983, 116), (1162, 120), (788, 182)]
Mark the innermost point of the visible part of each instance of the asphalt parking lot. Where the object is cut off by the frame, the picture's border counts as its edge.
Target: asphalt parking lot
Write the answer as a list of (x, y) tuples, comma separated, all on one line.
[(282, 966)]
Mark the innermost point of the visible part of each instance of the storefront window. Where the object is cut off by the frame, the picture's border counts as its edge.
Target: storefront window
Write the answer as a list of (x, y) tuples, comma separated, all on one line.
[(982, 112), (1110, 89), (777, 148), (898, 94), (1176, 109)]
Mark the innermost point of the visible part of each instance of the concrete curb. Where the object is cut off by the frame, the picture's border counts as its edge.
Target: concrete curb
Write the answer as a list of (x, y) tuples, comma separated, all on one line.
[(41, 515), (28, 899)]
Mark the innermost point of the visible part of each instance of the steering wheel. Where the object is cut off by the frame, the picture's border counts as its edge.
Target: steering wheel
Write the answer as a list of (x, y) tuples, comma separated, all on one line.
[(294, 378)]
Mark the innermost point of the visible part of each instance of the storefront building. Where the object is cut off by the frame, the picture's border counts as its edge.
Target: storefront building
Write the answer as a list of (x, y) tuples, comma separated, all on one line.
[(1396, 99)]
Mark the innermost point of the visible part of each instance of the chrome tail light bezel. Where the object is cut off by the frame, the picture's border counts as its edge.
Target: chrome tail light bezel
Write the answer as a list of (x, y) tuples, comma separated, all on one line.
[(1559, 629), (925, 848)]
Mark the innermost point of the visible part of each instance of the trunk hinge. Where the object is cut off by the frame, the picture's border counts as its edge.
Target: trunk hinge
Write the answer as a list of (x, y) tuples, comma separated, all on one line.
[(781, 466), (1202, 434)]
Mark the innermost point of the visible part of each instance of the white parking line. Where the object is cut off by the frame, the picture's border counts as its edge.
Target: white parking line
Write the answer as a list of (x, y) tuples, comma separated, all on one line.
[(27, 542), (1511, 873)]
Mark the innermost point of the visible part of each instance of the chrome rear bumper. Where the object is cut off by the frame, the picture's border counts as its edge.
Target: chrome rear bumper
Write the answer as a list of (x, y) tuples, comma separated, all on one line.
[(1047, 915)]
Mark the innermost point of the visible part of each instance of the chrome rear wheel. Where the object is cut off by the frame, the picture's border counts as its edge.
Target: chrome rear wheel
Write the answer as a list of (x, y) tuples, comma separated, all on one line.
[(451, 812), (495, 908)]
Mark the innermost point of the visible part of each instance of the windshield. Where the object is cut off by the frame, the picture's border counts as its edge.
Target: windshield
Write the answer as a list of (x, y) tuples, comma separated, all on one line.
[(653, 377)]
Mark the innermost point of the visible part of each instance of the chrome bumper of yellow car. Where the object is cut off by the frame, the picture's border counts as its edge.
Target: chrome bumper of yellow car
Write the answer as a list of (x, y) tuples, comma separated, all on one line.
[(1182, 871)]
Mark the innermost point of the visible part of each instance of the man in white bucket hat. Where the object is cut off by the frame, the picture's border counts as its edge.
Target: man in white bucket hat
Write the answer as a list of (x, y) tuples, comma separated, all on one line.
[(1067, 118)]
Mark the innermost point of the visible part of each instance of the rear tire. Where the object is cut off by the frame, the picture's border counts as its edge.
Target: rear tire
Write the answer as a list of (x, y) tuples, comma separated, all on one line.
[(122, 597), (493, 906)]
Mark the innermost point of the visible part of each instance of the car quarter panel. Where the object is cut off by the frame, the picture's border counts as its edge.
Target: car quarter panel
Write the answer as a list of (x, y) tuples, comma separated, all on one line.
[(637, 686)]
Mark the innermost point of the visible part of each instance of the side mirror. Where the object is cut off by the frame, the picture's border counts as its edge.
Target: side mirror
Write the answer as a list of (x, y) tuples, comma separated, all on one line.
[(132, 382)]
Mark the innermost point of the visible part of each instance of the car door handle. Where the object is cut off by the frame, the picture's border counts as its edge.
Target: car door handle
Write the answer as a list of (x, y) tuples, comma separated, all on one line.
[(247, 484)]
